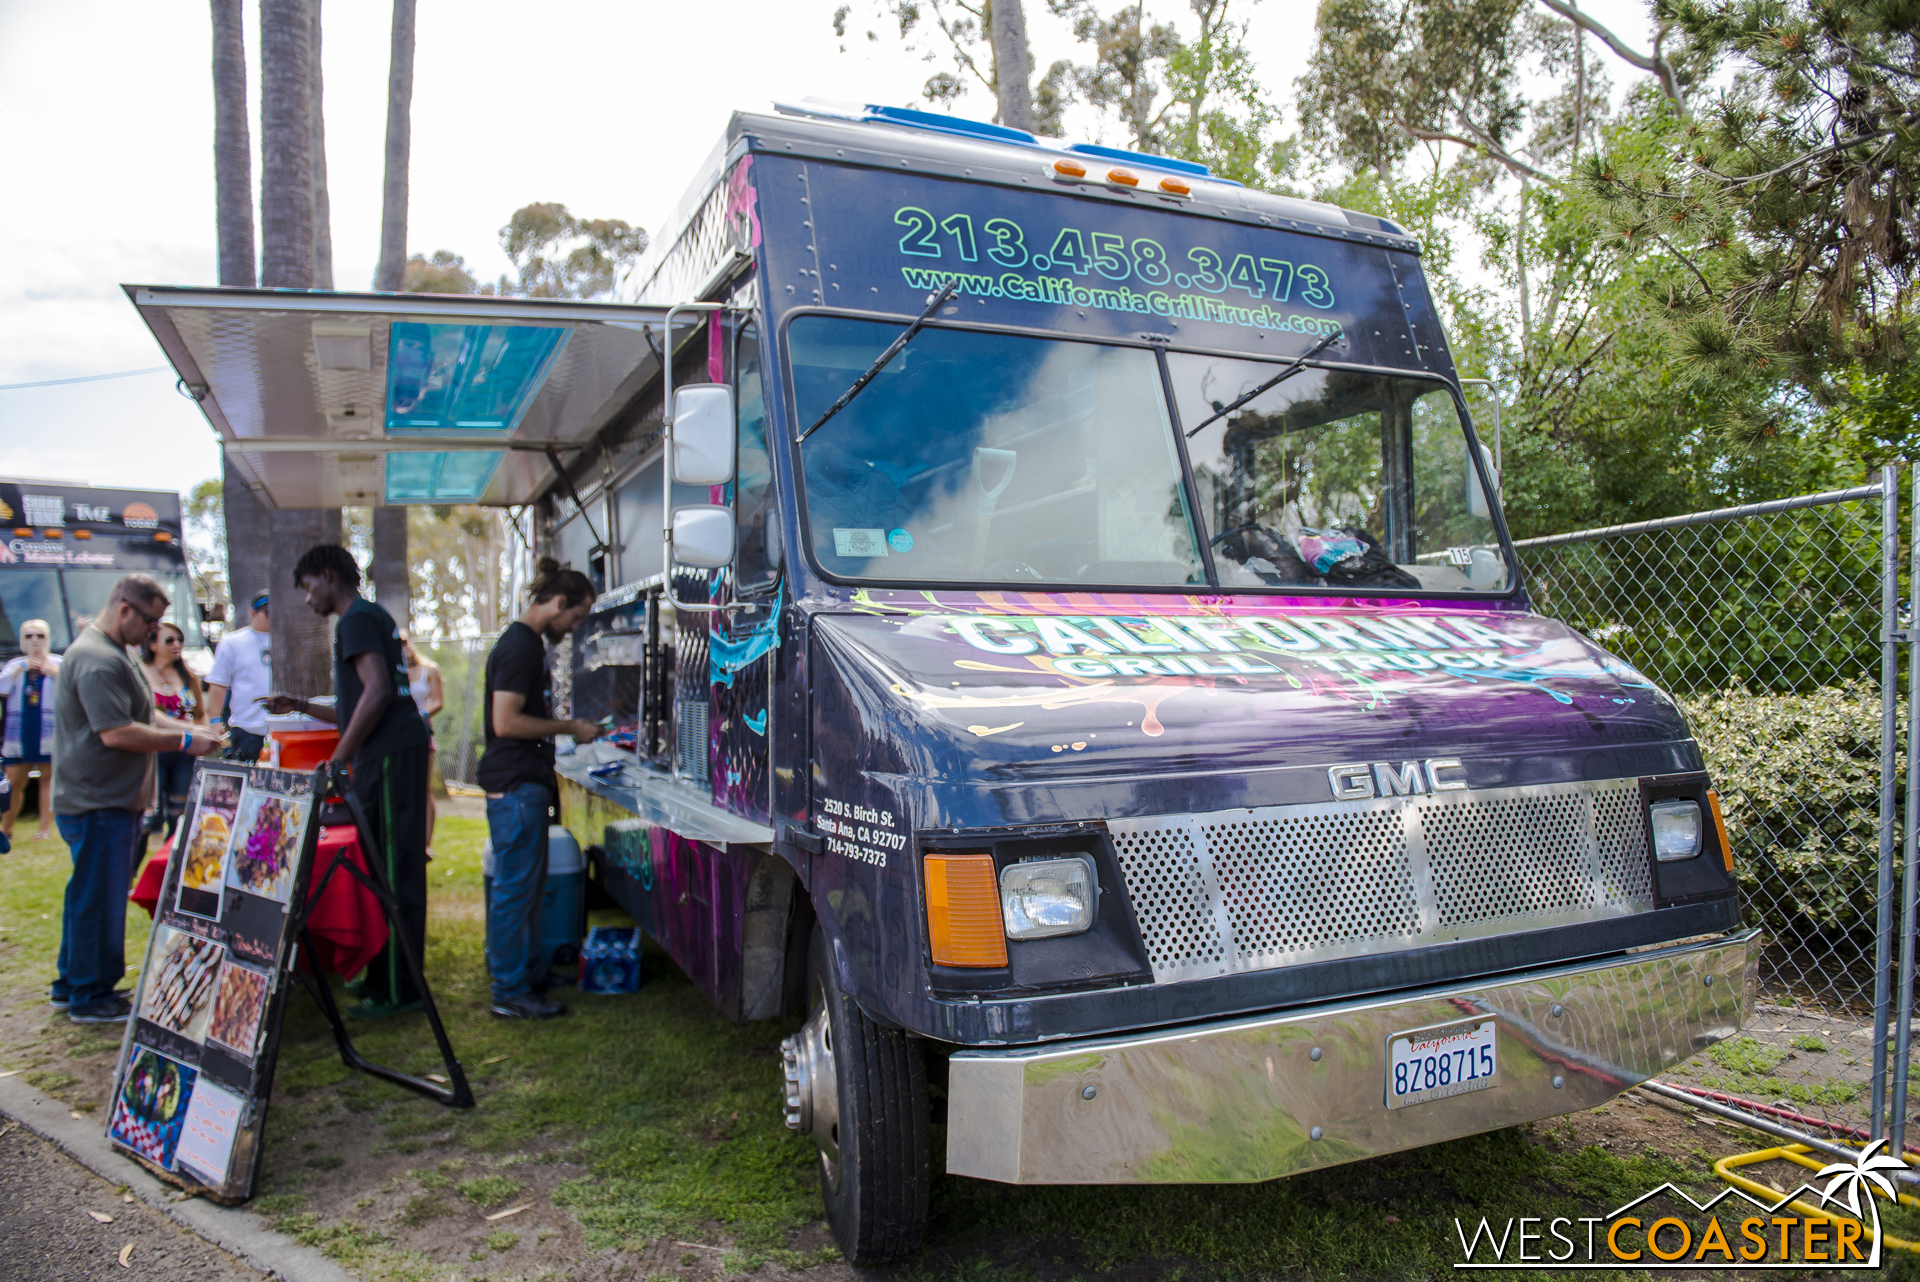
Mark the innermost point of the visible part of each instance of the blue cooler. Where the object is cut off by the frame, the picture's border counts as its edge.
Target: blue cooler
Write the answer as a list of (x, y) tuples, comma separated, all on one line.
[(563, 910)]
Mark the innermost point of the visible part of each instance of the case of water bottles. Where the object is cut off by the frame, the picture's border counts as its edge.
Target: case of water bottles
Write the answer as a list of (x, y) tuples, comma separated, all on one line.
[(610, 960)]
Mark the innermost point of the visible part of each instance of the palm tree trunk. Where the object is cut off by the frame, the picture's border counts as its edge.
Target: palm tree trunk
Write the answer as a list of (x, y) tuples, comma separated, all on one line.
[(302, 662), (232, 150), (322, 207), (392, 585), (286, 144), (244, 515), (390, 273), (1012, 64)]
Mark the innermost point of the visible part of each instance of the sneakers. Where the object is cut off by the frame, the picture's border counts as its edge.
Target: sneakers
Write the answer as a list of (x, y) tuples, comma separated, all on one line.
[(113, 1010), (372, 1008), (56, 1002), (528, 1006), (551, 980)]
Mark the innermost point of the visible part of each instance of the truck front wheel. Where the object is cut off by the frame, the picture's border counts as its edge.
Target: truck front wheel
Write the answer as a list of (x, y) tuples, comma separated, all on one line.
[(859, 1091)]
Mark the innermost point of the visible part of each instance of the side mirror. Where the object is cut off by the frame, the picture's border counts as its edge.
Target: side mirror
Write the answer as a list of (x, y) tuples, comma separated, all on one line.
[(1477, 504), (703, 536), (703, 434)]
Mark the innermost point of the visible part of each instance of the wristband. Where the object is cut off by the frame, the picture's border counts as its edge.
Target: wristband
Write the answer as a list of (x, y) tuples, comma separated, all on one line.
[(186, 741)]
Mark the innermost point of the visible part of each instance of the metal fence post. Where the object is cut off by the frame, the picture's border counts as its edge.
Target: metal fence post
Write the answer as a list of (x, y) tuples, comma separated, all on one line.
[(1889, 778), (1904, 1036)]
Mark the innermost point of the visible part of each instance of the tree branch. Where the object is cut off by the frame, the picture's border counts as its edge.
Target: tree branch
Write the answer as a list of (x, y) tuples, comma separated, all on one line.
[(1659, 66), (1798, 161), (1488, 148)]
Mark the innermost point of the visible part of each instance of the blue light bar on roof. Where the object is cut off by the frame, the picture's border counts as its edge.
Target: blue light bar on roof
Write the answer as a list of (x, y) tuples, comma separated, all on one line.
[(465, 379), (456, 476), (947, 124)]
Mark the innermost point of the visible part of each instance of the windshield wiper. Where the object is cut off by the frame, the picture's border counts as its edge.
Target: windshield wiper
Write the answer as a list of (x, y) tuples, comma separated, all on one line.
[(893, 350), (1299, 363)]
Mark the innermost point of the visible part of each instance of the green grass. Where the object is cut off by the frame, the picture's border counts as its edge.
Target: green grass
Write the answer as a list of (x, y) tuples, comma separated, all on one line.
[(1761, 1087), (672, 1113), (489, 1190), (1744, 1055), (1808, 1042)]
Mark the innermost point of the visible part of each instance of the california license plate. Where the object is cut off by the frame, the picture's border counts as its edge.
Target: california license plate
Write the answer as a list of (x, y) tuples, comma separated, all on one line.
[(1434, 1063)]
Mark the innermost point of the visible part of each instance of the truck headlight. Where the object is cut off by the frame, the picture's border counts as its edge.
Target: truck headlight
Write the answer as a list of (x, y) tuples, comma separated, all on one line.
[(1047, 897), (1676, 830)]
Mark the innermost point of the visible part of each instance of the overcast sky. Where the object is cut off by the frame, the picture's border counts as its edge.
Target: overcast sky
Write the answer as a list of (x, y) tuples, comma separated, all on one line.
[(106, 138)]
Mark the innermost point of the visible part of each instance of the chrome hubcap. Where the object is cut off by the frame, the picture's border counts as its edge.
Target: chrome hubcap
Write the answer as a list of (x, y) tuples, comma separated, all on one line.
[(813, 1093)]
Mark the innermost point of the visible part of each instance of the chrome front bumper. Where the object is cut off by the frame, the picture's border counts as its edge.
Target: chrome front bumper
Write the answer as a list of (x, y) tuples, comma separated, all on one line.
[(1256, 1098)]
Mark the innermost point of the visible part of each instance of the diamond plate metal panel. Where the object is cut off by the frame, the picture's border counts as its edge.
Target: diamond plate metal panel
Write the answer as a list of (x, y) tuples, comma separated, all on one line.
[(1243, 890)]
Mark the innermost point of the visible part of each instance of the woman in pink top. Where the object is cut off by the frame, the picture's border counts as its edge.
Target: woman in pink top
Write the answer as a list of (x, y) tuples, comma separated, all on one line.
[(176, 692)]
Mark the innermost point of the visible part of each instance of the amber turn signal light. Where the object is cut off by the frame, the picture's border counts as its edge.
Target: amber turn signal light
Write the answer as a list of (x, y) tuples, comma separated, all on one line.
[(963, 911), (1720, 826), (1174, 187), (1069, 169), (1123, 178)]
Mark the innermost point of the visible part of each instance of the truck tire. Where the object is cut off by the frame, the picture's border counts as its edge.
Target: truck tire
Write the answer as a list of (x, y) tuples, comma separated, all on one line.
[(874, 1159)]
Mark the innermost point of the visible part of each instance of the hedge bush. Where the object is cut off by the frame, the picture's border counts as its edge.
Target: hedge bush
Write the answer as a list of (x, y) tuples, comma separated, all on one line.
[(1799, 779)]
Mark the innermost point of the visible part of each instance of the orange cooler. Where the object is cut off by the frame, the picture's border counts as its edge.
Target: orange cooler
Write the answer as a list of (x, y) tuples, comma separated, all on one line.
[(295, 742)]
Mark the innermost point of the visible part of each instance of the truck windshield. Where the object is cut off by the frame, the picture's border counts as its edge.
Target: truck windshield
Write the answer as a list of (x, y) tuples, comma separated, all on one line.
[(87, 592), (31, 594), (1337, 479), (977, 457)]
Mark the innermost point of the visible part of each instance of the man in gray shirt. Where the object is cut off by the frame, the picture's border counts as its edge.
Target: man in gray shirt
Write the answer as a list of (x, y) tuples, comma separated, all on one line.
[(106, 733)]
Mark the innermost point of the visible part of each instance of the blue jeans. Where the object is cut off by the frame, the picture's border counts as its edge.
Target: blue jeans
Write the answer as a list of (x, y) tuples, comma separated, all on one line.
[(517, 823), (93, 922)]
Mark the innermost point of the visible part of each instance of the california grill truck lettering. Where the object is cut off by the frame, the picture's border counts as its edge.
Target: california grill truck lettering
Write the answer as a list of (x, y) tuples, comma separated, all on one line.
[(1101, 723)]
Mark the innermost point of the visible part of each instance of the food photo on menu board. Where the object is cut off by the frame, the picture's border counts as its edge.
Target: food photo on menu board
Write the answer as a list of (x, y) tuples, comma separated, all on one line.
[(238, 1004), (150, 1107), (177, 989), (203, 869), (266, 848)]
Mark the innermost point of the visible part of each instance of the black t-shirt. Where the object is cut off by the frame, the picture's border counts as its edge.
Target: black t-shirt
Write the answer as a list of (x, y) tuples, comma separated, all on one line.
[(367, 629), (518, 665)]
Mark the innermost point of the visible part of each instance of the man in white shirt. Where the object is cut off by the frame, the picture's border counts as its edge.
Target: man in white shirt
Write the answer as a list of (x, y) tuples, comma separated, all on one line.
[(243, 673)]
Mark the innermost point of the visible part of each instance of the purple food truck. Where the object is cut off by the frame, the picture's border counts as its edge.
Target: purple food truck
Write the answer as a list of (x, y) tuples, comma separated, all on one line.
[(1064, 653)]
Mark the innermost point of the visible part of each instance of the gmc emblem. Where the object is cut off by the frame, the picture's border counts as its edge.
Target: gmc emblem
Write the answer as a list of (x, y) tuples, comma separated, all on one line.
[(1364, 779)]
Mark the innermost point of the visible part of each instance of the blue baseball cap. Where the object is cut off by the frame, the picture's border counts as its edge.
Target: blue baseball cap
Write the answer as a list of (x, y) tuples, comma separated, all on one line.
[(260, 602)]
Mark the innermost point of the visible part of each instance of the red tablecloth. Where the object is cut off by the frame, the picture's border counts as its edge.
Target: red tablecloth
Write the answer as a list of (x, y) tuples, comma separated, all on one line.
[(346, 923)]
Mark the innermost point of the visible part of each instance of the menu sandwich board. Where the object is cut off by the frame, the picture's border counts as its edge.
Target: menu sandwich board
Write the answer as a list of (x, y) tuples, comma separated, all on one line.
[(196, 1065)]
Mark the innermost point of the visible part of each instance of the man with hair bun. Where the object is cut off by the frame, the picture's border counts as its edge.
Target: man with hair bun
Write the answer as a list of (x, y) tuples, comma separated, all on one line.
[(517, 772), (385, 740)]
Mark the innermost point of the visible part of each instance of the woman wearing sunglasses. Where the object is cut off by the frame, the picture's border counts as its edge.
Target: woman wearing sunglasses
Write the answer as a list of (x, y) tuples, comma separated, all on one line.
[(26, 683), (176, 692)]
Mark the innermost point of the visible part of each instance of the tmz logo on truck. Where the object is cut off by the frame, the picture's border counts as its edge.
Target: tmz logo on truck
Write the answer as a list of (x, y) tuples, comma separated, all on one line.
[(1361, 780)]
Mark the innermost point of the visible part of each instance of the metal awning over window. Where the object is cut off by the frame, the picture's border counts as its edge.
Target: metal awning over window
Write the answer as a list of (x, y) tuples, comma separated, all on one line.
[(334, 400)]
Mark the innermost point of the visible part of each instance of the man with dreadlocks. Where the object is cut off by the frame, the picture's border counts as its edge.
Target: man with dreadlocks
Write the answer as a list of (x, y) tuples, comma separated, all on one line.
[(384, 738)]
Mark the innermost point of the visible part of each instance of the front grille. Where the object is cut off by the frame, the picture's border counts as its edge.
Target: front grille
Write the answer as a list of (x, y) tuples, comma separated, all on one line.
[(1242, 890)]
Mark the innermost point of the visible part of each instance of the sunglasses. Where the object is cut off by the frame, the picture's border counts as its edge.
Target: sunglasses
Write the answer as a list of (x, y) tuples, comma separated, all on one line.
[(153, 620)]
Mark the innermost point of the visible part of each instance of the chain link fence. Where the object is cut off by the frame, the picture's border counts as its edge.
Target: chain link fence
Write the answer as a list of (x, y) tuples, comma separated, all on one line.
[(1769, 625)]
